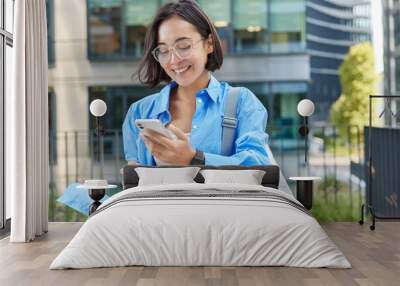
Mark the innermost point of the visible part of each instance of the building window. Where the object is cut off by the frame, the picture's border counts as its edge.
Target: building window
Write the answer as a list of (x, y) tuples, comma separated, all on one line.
[(104, 25), (118, 99), (117, 28), (50, 31), (51, 97), (250, 26), (138, 14), (280, 100), (285, 117), (219, 13), (287, 25)]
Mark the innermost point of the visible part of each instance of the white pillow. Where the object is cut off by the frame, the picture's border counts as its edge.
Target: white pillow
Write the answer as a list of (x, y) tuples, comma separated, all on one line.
[(248, 177), (165, 176)]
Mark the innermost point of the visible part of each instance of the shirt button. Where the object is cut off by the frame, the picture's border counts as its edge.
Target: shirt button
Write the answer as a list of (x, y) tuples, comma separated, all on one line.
[(194, 126), (199, 100)]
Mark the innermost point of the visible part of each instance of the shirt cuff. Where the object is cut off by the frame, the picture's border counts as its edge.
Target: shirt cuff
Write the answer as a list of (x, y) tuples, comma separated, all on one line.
[(216, 160), (237, 159)]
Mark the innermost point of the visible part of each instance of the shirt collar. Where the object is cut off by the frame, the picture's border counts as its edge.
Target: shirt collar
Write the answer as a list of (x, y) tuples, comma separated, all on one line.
[(213, 89), (162, 103)]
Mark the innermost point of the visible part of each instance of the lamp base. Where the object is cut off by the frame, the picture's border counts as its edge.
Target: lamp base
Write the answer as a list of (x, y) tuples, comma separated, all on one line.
[(96, 195), (305, 193)]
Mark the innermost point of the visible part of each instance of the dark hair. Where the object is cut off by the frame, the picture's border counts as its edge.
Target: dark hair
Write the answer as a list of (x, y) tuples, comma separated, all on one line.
[(150, 72)]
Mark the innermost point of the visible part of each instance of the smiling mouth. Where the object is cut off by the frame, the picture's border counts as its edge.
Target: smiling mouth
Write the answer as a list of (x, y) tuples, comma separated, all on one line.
[(181, 70)]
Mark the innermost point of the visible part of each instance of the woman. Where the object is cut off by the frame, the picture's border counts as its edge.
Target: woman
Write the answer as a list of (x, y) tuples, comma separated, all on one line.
[(183, 48)]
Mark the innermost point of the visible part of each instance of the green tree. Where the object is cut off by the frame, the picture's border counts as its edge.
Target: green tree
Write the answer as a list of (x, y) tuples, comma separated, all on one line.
[(358, 80)]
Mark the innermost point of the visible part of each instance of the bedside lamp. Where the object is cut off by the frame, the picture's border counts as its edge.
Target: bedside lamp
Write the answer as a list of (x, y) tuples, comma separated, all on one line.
[(97, 187), (304, 189), (98, 108), (305, 108)]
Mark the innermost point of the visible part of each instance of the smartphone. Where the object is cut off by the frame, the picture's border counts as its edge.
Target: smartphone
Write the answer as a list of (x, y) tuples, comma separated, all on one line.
[(154, 125)]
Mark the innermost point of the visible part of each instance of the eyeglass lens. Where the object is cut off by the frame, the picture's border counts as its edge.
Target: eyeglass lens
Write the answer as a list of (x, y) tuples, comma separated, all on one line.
[(181, 48)]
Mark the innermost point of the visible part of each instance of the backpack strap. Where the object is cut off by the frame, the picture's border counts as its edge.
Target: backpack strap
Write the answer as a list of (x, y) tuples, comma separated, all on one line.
[(229, 121)]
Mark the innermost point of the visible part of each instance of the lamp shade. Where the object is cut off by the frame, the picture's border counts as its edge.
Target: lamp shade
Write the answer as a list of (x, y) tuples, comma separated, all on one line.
[(305, 107), (98, 107)]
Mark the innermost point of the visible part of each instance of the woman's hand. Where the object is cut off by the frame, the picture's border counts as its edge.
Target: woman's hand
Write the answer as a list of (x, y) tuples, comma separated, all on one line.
[(178, 151)]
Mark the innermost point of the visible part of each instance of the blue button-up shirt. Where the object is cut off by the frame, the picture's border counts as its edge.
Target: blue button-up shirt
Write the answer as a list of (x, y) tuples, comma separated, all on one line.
[(206, 133)]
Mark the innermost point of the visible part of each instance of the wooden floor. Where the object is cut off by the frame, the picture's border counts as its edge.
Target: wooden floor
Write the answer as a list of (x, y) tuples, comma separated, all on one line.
[(374, 255)]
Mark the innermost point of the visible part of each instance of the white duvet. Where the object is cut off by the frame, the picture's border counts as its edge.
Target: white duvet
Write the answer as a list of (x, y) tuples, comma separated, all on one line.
[(183, 231)]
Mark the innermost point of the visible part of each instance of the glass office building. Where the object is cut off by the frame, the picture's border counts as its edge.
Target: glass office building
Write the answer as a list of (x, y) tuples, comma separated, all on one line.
[(116, 28), (260, 28), (332, 27), (284, 50)]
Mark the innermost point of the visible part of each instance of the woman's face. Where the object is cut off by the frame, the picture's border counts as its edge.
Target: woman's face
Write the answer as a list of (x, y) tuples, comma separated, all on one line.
[(178, 33)]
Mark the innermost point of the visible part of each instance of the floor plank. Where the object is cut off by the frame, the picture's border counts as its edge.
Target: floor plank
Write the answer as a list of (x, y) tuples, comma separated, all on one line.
[(374, 255)]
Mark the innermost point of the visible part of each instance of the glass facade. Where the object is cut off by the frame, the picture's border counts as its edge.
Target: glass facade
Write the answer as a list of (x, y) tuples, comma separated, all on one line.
[(220, 14), (137, 16), (250, 22), (105, 28), (280, 100), (287, 25), (116, 28), (332, 27), (284, 117), (51, 99)]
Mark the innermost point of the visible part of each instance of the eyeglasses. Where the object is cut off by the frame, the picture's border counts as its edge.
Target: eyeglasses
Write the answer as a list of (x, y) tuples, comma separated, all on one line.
[(182, 49)]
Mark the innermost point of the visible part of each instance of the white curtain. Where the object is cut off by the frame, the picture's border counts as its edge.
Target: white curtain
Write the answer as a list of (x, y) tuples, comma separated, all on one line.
[(27, 124)]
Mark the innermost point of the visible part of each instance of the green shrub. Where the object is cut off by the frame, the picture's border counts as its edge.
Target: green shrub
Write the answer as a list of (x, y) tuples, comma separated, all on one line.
[(331, 205)]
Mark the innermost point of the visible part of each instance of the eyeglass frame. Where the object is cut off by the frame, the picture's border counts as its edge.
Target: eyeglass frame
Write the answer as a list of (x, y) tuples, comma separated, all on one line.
[(153, 52)]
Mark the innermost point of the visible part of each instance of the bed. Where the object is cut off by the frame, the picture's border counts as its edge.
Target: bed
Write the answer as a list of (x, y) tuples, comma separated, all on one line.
[(202, 224)]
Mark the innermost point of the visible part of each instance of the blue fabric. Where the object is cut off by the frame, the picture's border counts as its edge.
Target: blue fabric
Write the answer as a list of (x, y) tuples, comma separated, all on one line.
[(78, 199), (206, 133)]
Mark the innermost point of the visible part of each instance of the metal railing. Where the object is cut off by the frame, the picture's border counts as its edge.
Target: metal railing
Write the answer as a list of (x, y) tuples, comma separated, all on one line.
[(338, 161), (78, 155)]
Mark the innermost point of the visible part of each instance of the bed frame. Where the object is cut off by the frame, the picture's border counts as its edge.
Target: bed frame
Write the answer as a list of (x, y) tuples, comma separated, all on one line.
[(271, 178)]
